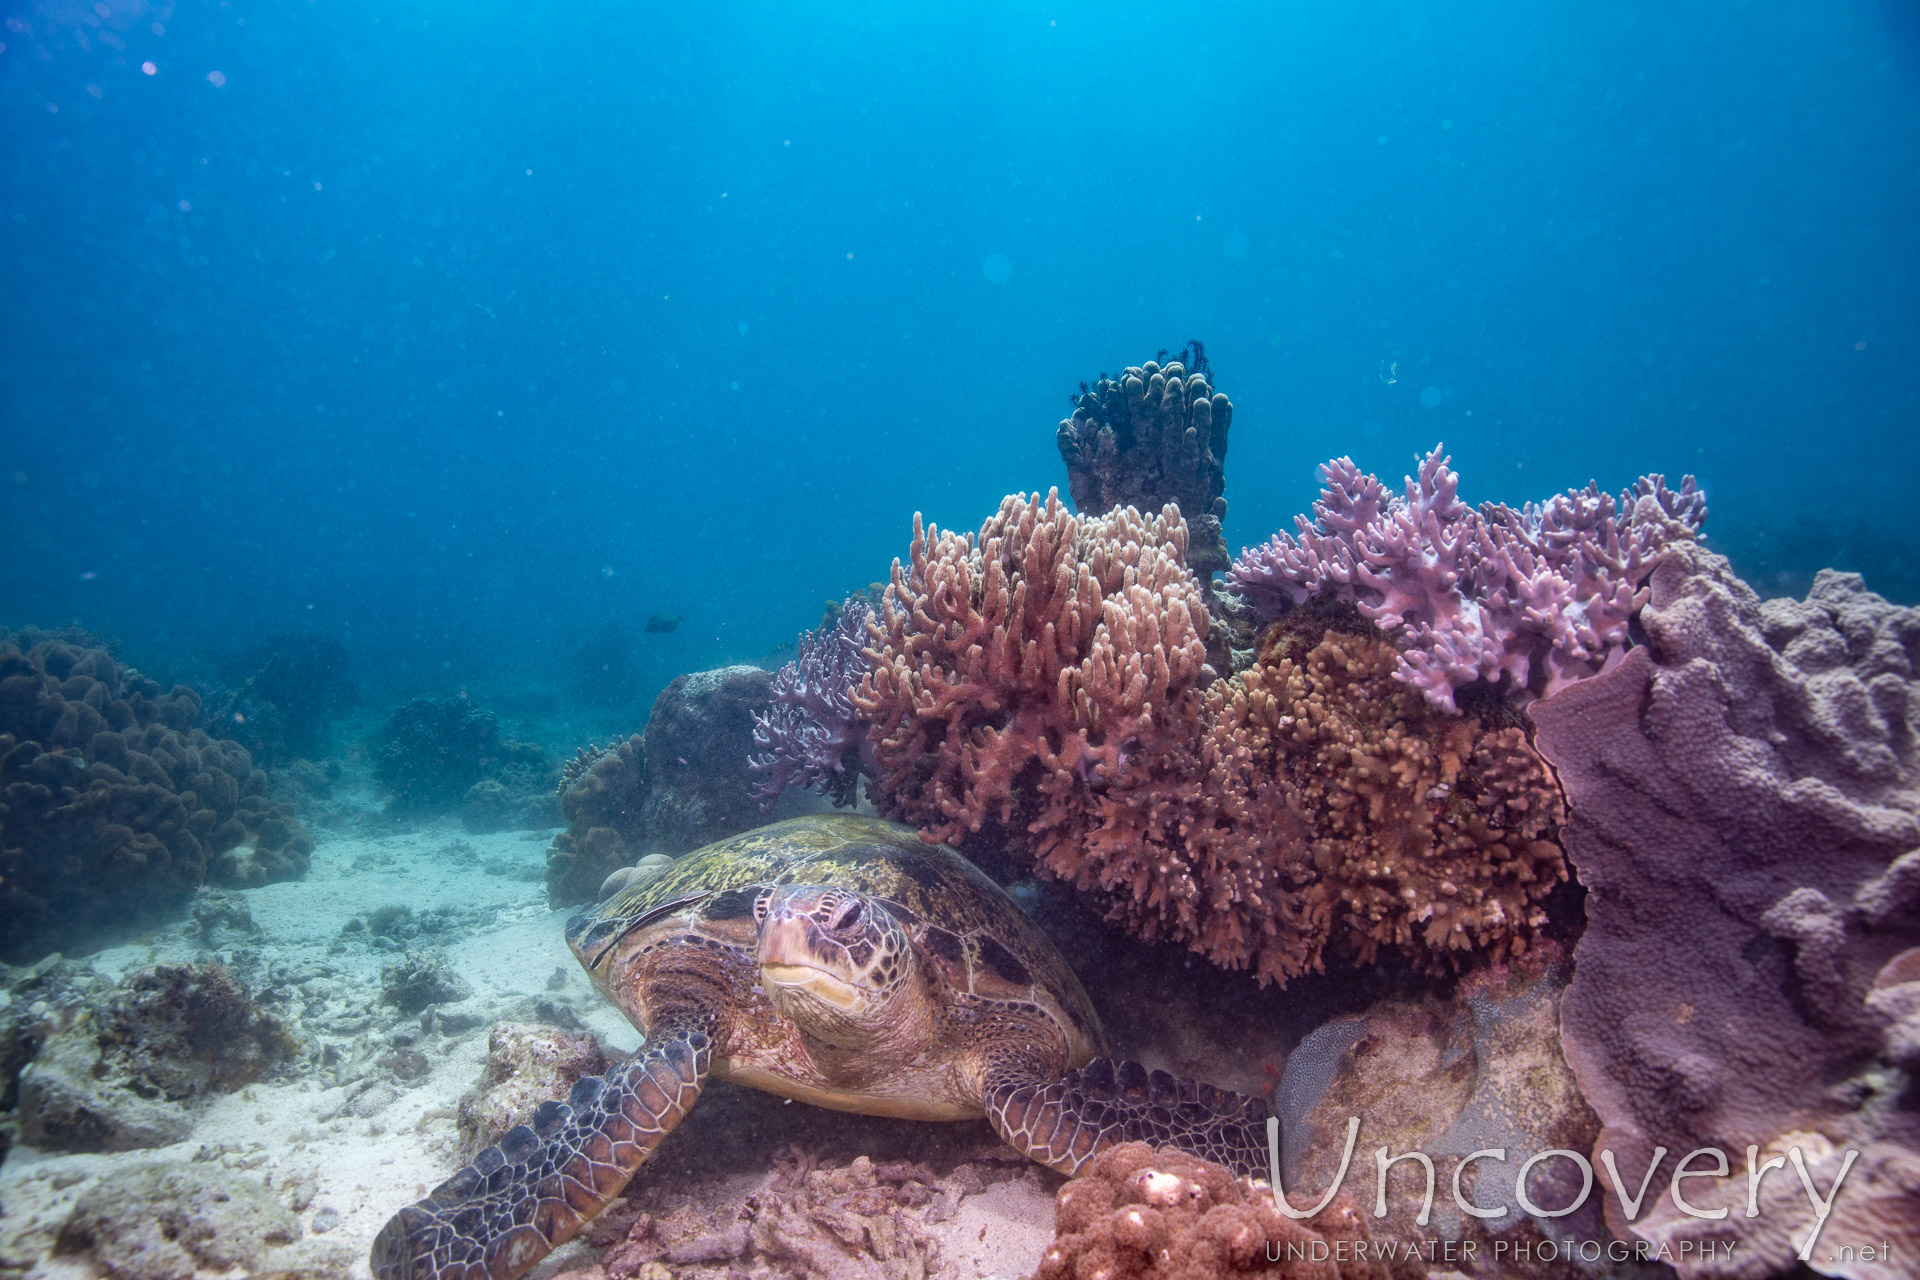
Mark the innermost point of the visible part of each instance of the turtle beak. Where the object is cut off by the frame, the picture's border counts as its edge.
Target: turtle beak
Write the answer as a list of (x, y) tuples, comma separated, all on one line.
[(792, 959), (801, 950)]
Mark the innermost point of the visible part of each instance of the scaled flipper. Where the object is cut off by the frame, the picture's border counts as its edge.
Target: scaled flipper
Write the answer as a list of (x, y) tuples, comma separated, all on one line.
[(1066, 1122), (543, 1182)]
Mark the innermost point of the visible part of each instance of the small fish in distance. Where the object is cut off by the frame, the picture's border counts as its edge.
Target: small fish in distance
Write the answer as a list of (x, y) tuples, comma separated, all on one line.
[(661, 623)]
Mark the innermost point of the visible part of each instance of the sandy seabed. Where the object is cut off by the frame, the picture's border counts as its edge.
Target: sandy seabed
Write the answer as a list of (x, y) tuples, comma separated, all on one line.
[(343, 1139)]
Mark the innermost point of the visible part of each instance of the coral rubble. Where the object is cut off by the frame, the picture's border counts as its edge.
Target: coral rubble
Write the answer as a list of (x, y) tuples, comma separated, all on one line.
[(1155, 435), (167, 1221), (1140, 1214), (419, 979), (862, 1218), (129, 1068), (811, 733), (1537, 597), (1744, 792), (1049, 677), (112, 805)]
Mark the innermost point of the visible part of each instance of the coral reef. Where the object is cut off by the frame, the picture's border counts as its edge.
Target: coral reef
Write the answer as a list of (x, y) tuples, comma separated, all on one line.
[(518, 797), (1744, 791), (112, 805), (130, 1068), (699, 736), (1533, 598), (526, 1066), (432, 752), (1047, 677), (178, 1221), (289, 686), (1140, 1214), (601, 790), (812, 725), (683, 783), (1155, 435), (1339, 810)]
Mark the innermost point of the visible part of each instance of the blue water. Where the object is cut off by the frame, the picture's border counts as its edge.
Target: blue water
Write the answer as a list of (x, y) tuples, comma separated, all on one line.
[(456, 330)]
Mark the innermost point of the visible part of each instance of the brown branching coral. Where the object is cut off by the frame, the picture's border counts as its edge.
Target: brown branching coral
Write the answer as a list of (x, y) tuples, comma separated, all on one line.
[(1048, 677), (1138, 1214), (1021, 669), (1363, 818)]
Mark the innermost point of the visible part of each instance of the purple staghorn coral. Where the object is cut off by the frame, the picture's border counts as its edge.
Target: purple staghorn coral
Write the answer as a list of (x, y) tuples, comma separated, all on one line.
[(812, 723), (1541, 596)]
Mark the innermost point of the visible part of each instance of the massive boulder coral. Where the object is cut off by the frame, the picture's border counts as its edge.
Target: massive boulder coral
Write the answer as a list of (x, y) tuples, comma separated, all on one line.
[(1745, 794), (1155, 435), (112, 805), (683, 783), (1533, 599), (1047, 678), (1140, 1214)]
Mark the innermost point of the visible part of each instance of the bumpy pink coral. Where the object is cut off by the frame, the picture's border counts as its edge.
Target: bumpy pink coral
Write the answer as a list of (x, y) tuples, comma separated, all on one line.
[(1538, 597)]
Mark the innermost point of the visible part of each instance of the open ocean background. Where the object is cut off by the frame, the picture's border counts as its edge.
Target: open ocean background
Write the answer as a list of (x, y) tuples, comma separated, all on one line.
[(459, 333)]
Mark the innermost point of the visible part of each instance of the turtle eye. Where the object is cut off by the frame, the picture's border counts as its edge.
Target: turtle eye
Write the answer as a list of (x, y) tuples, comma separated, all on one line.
[(849, 916)]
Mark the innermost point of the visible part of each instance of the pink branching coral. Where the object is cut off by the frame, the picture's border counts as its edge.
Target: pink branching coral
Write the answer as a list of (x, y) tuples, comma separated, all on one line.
[(1539, 597), (1064, 648)]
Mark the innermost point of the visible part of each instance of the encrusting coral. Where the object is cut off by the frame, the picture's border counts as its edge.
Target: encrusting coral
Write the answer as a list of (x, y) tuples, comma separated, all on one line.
[(1048, 677), (1155, 435), (1140, 1214), (1745, 793), (1540, 597), (112, 805)]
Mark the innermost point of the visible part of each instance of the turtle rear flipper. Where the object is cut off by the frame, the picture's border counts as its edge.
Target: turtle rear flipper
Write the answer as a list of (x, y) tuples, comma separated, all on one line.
[(533, 1191), (1066, 1122)]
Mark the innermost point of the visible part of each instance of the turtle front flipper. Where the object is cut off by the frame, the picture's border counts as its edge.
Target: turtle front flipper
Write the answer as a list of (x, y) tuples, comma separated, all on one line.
[(543, 1182), (1063, 1123)]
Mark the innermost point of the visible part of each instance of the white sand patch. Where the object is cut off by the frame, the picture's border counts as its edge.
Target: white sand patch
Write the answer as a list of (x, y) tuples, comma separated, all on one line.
[(343, 1138)]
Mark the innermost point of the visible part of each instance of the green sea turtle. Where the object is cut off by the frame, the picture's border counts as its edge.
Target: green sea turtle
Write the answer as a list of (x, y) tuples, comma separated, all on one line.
[(838, 960)]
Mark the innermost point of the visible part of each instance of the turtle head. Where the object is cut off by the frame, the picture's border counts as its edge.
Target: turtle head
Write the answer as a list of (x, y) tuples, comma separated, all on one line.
[(831, 959)]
